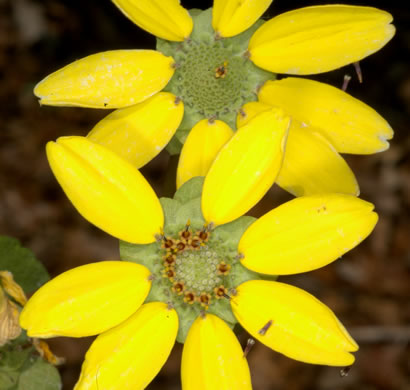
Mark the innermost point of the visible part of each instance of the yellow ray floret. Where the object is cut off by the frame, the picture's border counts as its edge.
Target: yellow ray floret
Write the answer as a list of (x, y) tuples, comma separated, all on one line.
[(306, 233), (86, 300), (204, 142), (350, 125), (112, 79), (231, 17), (213, 358), (130, 355), (321, 38), (292, 322), (106, 190), (245, 168), (311, 164), (138, 133), (166, 19), (249, 111)]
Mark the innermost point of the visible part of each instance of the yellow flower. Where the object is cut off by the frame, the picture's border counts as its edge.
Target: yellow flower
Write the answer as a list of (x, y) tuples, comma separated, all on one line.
[(180, 246), (212, 64)]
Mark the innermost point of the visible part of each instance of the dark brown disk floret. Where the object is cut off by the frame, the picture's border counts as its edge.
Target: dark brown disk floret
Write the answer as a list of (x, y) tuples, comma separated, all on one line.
[(189, 297), (169, 259), (223, 268), (220, 292), (205, 300), (178, 288)]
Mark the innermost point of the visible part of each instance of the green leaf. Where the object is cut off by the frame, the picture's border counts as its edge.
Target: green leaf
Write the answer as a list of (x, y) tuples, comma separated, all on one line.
[(8, 379), (40, 376), (27, 271), (13, 359)]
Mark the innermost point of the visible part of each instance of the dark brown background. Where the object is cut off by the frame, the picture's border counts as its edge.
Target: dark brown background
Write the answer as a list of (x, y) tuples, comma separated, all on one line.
[(368, 288)]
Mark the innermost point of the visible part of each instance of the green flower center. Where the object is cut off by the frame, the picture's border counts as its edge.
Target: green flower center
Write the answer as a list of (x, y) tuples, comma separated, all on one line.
[(214, 78), (198, 270), (193, 268)]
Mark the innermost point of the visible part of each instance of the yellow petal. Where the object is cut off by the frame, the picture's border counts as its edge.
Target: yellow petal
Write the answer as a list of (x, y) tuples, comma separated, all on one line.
[(129, 356), (306, 233), (86, 300), (245, 168), (292, 322), (320, 38), (312, 165), (350, 125), (249, 111), (213, 358), (106, 190), (138, 133), (165, 19), (112, 79), (231, 17), (202, 145)]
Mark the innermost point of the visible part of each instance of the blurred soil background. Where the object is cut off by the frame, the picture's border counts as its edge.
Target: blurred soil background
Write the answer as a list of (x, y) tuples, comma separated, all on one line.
[(368, 289)]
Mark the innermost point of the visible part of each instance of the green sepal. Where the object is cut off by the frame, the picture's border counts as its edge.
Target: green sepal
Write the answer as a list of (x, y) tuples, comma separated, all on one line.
[(27, 271)]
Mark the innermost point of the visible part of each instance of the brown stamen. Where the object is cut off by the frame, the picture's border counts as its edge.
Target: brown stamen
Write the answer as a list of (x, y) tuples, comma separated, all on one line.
[(263, 331)]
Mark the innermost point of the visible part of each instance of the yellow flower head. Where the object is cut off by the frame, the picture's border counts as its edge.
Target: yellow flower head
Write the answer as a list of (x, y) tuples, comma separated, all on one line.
[(220, 63), (198, 264)]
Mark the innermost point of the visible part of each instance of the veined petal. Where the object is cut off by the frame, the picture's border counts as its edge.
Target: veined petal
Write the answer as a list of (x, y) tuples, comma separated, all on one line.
[(312, 165), (320, 38), (213, 358), (112, 79), (245, 168), (292, 322), (166, 19), (350, 125), (249, 111), (129, 356), (231, 17), (138, 133), (86, 300), (202, 145), (306, 233), (106, 190)]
